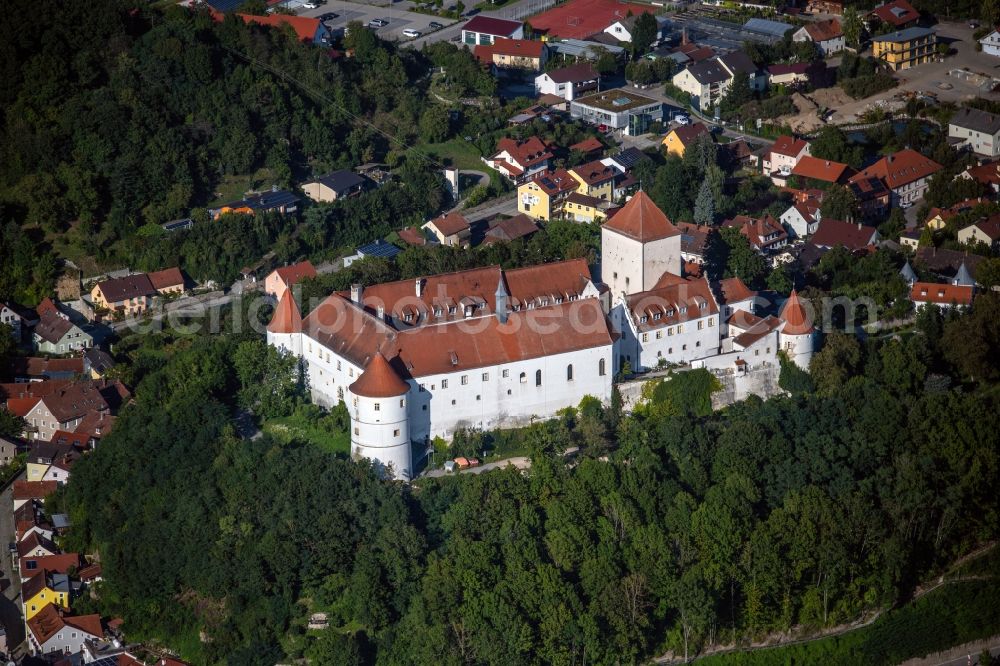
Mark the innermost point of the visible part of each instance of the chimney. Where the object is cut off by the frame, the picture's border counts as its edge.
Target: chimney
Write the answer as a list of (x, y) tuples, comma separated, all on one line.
[(356, 290), (419, 284)]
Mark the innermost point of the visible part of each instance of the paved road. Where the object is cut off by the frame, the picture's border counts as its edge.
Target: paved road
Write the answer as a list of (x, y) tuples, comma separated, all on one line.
[(10, 600), (520, 462)]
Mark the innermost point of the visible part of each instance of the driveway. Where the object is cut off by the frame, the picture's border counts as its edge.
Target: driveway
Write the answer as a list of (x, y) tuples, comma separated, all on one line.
[(520, 462)]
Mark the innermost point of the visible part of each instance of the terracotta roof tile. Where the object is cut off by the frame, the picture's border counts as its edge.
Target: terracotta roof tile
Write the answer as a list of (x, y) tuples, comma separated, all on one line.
[(168, 277), (793, 313), (942, 294), (819, 169), (901, 168), (896, 13), (28, 490), (672, 304), (60, 563), (734, 290), (379, 380), (593, 173), (822, 31), (788, 145), (642, 220), (287, 318), (293, 273), (451, 224), (125, 288)]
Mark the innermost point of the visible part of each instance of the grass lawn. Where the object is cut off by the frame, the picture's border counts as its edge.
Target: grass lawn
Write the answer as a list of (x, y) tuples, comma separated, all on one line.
[(232, 187), (289, 428), (457, 152)]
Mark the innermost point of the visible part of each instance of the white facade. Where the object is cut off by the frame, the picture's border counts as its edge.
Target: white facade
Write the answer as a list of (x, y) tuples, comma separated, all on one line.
[(380, 431), (991, 43), (798, 348), (568, 90), (619, 31), (680, 343), (629, 266), (779, 162), (980, 142), (12, 319), (799, 224), (826, 47)]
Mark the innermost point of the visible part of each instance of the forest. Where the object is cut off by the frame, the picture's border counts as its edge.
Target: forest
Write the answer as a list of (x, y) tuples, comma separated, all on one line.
[(673, 528)]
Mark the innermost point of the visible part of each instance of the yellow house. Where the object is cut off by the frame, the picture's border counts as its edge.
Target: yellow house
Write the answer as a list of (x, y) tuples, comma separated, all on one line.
[(581, 208), (678, 139), (543, 197), (43, 589), (595, 179), (906, 48), (129, 295)]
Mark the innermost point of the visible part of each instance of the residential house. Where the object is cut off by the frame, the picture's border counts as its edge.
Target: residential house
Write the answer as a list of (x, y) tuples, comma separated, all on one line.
[(590, 147), (991, 43), (56, 334), (827, 35), (506, 53), (622, 28), (906, 173), (810, 168), (802, 217), (679, 138), (988, 174), (333, 186), (36, 546), (275, 201), (125, 296), (906, 48), (49, 461), (8, 449), (452, 229), (583, 208), (795, 74), (618, 109), (19, 319), (309, 30), (694, 241), (833, 233), (568, 82), (542, 197), (980, 130), (283, 278), (510, 229), (595, 179), (626, 159), (66, 407), (61, 563), (948, 264), (36, 368), (51, 633), (735, 155), (519, 160), (168, 282), (910, 238), (784, 154), (872, 195), (943, 296), (97, 363), (708, 81), (413, 236), (825, 7), (379, 248), (765, 233), (30, 492), (95, 425), (486, 30), (43, 589), (898, 14), (984, 231)]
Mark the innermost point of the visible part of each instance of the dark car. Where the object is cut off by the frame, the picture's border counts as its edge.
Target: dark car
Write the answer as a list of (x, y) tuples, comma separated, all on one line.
[(329, 16), (434, 25)]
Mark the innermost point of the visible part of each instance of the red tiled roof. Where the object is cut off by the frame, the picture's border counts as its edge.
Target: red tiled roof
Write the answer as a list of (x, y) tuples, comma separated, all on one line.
[(555, 181), (287, 318), (21, 406), (168, 277), (593, 173), (47, 306), (988, 174), (943, 294), (49, 621), (526, 153), (78, 399), (28, 490), (642, 220), (33, 541), (412, 236), (60, 563), (305, 28), (662, 306), (34, 366), (819, 169), (523, 48), (896, 13), (52, 327), (580, 19), (492, 26), (687, 134), (901, 168), (788, 145), (120, 289), (756, 230), (734, 290), (512, 228), (822, 31), (33, 389), (793, 313), (832, 233), (379, 380), (451, 224), (96, 424), (292, 274), (588, 145), (990, 227)]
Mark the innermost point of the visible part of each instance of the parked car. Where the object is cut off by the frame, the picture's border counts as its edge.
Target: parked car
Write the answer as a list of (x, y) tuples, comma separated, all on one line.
[(329, 16), (378, 23), (434, 25), (411, 33), (309, 5), (682, 120)]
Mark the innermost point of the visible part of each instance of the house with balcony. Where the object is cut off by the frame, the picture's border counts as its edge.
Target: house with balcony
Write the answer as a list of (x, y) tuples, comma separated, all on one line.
[(905, 48), (568, 82)]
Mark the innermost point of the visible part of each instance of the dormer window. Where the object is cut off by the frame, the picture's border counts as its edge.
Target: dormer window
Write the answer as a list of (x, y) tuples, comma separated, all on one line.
[(670, 313), (684, 310), (437, 312), (452, 310), (643, 319), (407, 317), (656, 317)]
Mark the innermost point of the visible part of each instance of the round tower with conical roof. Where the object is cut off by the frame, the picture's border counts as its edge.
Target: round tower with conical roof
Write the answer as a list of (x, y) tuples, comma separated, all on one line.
[(379, 426), (285, 329), (797, 335)]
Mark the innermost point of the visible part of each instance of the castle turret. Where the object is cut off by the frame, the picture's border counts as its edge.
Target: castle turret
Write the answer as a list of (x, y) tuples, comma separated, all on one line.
[(285, 329), (797, 336), (379, 426)]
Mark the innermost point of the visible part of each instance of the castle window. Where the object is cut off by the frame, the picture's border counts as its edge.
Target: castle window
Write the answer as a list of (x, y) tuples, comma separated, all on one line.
[(684, 347), (437, 312), (338, 365), (377, 407), (453, 402), (645, 337), (508, 391), (701, 325), (452, 310), (600, 367), (402, 402), (659, 334), (395, 433), (478, 398), (465, 379), (505, 374), (680, 328), (486, 376), (670, 331), (524, 378), (711, 321), (407, 317), (355, 430), (569, 372), (538, 377), (656, 316), (698, 343), (444, 383)]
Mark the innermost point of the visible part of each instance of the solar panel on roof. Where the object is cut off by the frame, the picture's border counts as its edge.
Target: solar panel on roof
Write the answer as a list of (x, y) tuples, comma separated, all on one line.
[(379, 249), (621, 101)]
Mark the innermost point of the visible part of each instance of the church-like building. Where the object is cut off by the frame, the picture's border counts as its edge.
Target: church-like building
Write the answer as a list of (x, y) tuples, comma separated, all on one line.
[(489, 348)]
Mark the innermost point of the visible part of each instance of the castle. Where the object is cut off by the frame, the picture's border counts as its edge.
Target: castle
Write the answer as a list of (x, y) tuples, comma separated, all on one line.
[(488, 347)]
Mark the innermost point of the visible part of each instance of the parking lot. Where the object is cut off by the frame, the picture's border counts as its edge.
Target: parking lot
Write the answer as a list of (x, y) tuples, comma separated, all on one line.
[(396, 14)]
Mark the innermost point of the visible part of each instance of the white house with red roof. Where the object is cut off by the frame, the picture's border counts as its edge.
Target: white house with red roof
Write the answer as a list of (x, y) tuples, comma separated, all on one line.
[(827, 35), (483, 30), (285, 277), (520, 160), (906, 173), (785, 153)]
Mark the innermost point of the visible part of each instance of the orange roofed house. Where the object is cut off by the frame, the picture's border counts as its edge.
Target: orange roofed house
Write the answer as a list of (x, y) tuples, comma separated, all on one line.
[(520, 160), (283, 278), (488, 347), (451, 229), (506, 53), (51, 632), (906, 174)]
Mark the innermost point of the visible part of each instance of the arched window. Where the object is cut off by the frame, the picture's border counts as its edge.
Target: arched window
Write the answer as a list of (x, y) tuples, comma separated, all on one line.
[(538, 377), (569, 372), (523, 378), (600, 367)]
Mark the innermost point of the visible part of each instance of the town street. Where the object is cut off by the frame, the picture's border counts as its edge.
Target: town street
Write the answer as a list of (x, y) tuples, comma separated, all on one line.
[(10, 600)]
